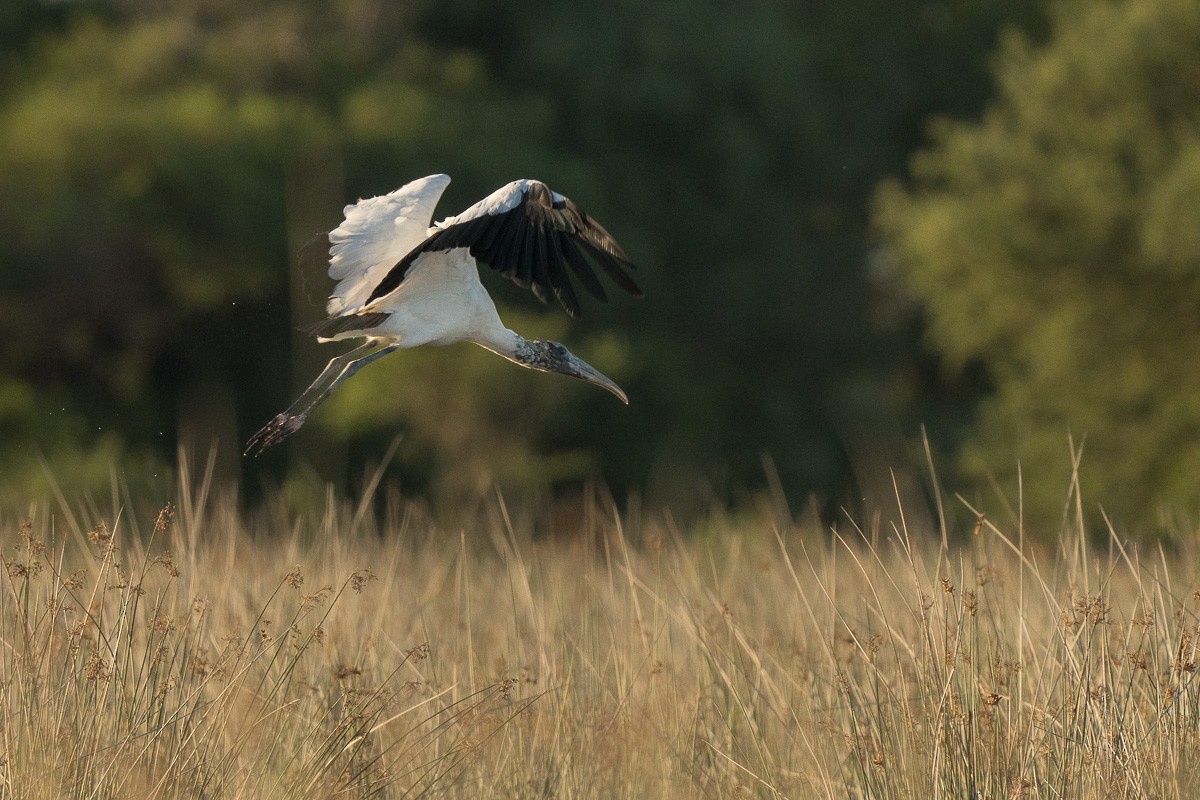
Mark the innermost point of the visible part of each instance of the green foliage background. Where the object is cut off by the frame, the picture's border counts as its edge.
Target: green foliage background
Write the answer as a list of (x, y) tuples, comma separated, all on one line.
[(1033, 275), (1056, 243)]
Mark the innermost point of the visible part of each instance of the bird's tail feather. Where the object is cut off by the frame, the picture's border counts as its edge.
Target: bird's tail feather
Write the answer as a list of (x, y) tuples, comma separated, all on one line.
[(336, 327)]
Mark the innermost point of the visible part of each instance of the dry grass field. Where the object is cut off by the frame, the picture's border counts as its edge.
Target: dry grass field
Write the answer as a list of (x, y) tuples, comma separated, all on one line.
[(340, 653)]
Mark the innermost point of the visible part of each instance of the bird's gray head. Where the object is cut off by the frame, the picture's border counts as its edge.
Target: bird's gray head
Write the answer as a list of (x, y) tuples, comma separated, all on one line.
[(553, 357)]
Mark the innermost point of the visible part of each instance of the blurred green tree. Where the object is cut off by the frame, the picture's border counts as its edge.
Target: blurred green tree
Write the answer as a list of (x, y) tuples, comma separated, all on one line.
[(164, 161), (151, 161), (737, 148), (1055, 243)]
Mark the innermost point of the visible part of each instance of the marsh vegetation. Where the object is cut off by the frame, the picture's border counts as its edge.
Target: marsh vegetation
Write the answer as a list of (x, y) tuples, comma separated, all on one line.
[(605, 654)]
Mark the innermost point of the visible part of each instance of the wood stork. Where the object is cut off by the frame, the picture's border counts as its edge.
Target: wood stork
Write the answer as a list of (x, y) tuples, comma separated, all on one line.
[(404, 284)]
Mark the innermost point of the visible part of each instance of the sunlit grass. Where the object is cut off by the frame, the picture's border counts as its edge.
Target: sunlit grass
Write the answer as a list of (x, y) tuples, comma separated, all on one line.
[(205, 653)]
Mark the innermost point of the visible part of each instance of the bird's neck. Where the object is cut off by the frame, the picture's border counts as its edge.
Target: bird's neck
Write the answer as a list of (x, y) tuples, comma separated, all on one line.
[(504, 342), (532, 353)]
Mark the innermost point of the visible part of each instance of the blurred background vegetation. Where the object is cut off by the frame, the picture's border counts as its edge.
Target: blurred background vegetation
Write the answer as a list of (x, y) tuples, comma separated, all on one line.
[(850, 220)]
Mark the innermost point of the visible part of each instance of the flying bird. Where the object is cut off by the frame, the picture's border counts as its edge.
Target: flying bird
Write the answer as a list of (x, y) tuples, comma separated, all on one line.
[(402, 283)]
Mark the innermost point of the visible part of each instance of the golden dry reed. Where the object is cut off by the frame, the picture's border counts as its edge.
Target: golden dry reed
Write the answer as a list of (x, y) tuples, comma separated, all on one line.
[(323, 654)]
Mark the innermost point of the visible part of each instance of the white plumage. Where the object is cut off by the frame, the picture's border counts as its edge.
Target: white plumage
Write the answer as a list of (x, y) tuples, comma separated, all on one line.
[(402, 283), (376, 233), (503, 199)]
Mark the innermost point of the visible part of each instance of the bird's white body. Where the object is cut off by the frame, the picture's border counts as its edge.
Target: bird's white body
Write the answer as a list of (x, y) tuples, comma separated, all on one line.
[(403, 283), (441, 301)]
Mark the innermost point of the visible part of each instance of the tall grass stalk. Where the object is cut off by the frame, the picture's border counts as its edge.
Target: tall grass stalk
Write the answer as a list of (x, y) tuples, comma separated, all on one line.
[(208, 653)]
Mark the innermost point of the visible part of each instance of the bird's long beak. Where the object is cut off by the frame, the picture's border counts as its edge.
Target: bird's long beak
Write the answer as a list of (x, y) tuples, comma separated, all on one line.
[(585, 371)]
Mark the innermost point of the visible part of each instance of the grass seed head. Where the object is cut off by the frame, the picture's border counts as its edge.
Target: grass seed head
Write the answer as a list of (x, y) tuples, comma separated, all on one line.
[(164, 558), (294, 579), (200, 666), (26, 570), (74, 582), (34, 546), (97, 668), (308, 601), (164, 519), (102, 537), (970, 603), (360, 578)]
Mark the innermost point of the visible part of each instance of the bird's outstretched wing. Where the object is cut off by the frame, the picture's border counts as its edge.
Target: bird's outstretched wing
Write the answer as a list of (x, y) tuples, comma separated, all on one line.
[(529, 234), (376, 233)]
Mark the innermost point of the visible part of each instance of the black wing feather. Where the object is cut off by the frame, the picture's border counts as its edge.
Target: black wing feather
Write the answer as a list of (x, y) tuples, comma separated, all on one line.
[(488, 247), (504, 262), (582, 269), (539, 264), (487, 237), (610, 265), (595, 233), (558, 276), (537, 244), (524, 276), (460, 236)]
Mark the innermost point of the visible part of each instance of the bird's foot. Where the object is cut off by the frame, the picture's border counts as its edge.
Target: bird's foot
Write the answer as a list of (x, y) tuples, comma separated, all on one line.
[(273, 433)]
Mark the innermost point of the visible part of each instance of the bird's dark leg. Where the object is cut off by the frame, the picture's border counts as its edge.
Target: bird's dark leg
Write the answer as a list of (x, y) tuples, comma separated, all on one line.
[(337, 370), (347, 371)]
